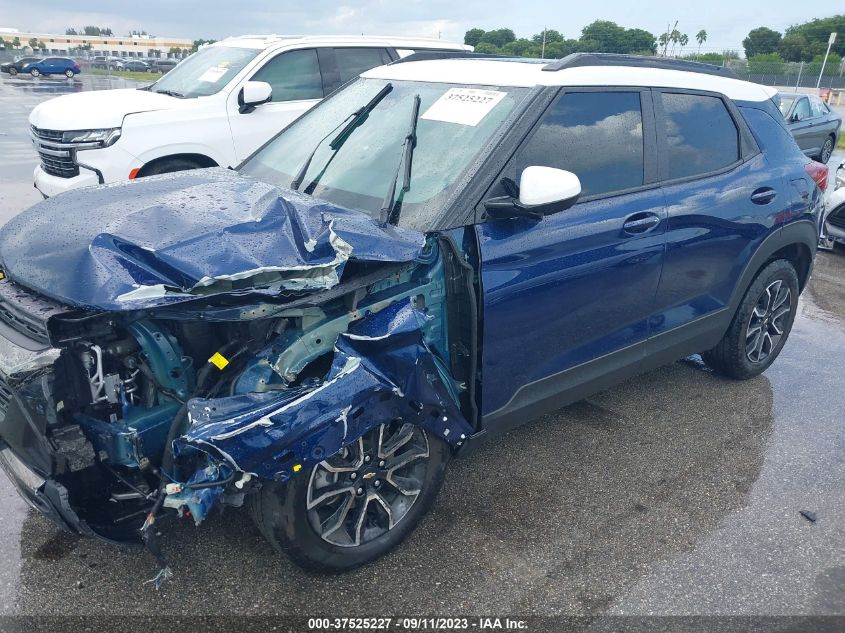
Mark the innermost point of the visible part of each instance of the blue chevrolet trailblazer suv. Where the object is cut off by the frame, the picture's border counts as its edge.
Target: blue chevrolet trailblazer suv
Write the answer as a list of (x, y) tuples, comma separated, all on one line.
[(447, 247)]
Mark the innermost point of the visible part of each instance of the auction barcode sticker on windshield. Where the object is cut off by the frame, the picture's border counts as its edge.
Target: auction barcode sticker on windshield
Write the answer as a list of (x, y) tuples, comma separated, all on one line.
[(466, 106)]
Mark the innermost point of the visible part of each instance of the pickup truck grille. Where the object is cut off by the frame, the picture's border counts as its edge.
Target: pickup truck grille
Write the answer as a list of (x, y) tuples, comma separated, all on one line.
[(56, 156)]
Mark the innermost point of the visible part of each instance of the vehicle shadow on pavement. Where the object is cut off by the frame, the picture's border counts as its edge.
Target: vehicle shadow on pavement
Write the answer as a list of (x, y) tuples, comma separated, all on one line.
[(557, 517)]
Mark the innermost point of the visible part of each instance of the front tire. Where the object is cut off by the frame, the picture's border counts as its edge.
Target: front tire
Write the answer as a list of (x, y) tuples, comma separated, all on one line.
[(13, 71), (35, 72), (69, 74), (760, 326), (358, 504)]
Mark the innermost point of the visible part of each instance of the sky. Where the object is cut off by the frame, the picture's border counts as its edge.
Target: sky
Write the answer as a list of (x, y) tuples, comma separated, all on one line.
[(727, 22)]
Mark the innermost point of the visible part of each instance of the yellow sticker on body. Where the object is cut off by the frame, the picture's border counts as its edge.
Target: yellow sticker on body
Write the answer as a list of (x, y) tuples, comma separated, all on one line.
[(219, 361)]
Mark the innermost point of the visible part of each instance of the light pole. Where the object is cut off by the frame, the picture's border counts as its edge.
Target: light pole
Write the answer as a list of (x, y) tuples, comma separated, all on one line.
[(830, 42)]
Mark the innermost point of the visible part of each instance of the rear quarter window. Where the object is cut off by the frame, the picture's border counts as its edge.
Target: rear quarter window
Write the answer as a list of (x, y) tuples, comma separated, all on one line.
[(701, 137), (771, 135)]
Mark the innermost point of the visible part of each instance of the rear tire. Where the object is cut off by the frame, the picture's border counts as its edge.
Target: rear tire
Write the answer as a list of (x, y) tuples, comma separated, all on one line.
[(761, 325), (827, 150), (35, 72), (367, 515), (69, 74), (13, 71)]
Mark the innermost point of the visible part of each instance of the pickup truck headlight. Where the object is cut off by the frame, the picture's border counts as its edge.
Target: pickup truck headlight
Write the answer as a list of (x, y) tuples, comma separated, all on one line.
[(104, 138)]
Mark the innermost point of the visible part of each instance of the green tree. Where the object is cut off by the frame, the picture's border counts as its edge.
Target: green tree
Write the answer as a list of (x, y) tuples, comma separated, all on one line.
[(487, 48), (761, 41), (499, 37), (639, 40), (815, 34), (3, 42), (765, 64), (70, 31), (473, 37), (200, 42), (794, 47), (701, 37), (16, 43), (33, 43), (551, 36), (93, 31), (608, 36), (519, 48)]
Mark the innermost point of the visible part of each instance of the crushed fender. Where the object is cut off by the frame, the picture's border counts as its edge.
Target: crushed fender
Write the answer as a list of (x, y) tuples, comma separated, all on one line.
[(382, 370)]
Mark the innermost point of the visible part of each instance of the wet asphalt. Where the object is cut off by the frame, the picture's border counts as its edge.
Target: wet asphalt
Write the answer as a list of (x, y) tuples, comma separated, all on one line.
[(678, 492)]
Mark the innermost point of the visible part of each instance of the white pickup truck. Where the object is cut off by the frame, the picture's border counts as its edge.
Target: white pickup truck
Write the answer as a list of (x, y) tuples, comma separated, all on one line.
[(215, 108)]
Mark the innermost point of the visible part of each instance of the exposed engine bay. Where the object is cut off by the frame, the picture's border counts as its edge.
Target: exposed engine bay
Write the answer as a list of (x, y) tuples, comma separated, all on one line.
[(192, 407)]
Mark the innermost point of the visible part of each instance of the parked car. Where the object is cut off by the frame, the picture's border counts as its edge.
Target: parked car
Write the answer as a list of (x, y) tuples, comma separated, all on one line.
[(834, 226), (163, 66), (196, 115), (136, 65), (53, 66), (13, 68), (305, 334), (813, 124)]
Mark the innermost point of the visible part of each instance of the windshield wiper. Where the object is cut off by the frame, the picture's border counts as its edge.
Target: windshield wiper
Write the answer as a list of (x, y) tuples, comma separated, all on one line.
[(387, 214), (171, 93), (352, 122)]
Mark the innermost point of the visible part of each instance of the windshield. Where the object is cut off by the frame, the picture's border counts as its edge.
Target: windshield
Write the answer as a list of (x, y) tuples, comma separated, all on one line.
[(785, 104), (455, 123), (205, 72)]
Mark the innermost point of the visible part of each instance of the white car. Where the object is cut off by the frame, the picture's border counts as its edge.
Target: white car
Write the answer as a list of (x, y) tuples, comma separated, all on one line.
[(215, 108)]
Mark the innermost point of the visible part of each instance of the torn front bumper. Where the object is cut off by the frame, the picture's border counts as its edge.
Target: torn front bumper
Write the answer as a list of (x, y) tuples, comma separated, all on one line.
[(46, 496)]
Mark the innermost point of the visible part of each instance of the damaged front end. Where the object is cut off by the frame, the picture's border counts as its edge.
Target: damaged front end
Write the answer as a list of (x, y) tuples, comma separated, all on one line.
[(192, 393)]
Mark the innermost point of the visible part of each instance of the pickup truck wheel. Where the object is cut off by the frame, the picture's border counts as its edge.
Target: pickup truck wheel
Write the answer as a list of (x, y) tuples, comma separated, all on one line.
[(35, 72), (760, 326), (171, 165), (358, 504)]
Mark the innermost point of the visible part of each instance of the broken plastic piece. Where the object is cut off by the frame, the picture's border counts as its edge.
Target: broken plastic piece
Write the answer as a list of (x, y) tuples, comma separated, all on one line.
[(160, 578), (809, 515)]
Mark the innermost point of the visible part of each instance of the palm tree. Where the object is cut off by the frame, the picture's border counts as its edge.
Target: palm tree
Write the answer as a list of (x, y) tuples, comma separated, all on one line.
[(674, 37), (701, 37), (683, 40)]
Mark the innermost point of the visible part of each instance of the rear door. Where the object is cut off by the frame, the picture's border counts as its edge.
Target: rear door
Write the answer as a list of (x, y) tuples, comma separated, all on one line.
[(723, 199), (825, 125), (567, 298), (297, 82)]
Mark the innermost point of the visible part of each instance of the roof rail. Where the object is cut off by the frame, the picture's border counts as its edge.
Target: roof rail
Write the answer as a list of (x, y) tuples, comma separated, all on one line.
[(424, 56), (576, 60)]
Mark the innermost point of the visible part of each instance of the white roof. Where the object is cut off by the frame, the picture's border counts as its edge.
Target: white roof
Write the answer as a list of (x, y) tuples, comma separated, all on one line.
[(503, 72), (266, 41)]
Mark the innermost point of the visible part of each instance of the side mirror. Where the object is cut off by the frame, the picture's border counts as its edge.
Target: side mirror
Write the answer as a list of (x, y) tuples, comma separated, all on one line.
[(253, 94), (542, 191)]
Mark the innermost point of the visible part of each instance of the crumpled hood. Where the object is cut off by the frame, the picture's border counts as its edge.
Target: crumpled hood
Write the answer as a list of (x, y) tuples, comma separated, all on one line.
[(99, 108), (170, 238)]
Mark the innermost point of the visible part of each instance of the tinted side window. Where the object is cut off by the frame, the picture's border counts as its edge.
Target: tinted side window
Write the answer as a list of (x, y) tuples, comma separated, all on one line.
[(596, 135), (294, 75), (700, 134), (802, 110), (351, 62)]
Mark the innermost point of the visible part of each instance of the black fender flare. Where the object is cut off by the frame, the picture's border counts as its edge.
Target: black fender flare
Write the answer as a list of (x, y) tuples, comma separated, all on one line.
[(803, 232)]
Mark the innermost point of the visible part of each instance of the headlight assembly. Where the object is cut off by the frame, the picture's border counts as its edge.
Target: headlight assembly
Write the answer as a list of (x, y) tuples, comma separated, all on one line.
[(102, 138)]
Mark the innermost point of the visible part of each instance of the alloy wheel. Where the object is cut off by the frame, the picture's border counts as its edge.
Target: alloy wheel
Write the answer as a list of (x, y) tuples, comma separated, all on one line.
[(827, 150), (767, 323), (363, 491), (35, 72)]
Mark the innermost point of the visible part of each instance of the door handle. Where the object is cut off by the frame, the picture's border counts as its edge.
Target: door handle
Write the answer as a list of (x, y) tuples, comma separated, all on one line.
[(641, 223), (763, 195)]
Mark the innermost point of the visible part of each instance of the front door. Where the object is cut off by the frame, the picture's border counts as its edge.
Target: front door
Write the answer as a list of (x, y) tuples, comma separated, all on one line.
[(567, 299), (297, 83)]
